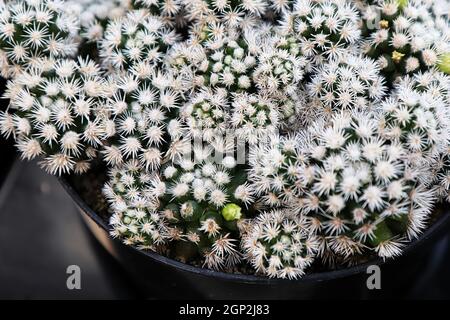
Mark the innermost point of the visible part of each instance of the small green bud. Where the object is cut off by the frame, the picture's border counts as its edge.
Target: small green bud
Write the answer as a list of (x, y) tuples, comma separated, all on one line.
[(444, 63), (231, 212)]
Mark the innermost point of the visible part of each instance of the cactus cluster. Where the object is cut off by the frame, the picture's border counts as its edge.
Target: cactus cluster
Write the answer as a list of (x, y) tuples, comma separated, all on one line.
[(280, 245), (362, 194), (133, 40), (273, 137), (199, 204), (35, 32), (276, 171), (95, 14), (57, 114), (405, 37), (349, 83), (324, 29), (203, 200), (230, 71), (135, 215), (419, 121), (144, 92)]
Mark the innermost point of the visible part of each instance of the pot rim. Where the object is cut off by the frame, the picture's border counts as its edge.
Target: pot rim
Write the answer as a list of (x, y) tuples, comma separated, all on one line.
[(438, 225)]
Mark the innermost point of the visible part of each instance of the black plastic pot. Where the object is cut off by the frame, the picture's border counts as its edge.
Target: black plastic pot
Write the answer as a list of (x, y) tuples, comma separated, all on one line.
[(7, 150), (7, 158), (163, 277)]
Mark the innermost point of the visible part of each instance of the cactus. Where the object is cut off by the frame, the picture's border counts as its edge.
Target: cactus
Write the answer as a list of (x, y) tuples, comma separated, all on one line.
[(203, 199), (324, 29), (349, 83), (406, 40), (280, 67), (232, 13), (135, 218), (362, 194), (57, 114), (33, 32), (231, 69), (253, 117), (206, 114), (279, 245), (139, 118), (437, 85), (172, 12), (444, 63), (198, 203), (145, 92), (158, 7), (135, 39), (205, 235), (94, 17), (419, 121), (255, 136), (276, 171), (222, 60), (432, 82)]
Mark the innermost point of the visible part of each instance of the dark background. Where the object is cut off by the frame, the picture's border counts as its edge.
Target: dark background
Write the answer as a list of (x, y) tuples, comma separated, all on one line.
[(42, 233)]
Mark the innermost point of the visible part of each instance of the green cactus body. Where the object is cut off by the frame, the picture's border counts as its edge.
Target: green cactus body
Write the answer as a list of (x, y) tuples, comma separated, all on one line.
[(444, 63), (229, 73)]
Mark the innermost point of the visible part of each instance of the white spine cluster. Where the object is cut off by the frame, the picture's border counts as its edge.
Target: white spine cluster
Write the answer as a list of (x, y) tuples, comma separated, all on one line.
[(138, 37), (144, 91), (253, 117), (139, 119), (280, 67), (205, 181), (228, 73), (420, 121), (231, 13), (94, 15), (276, 171)]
